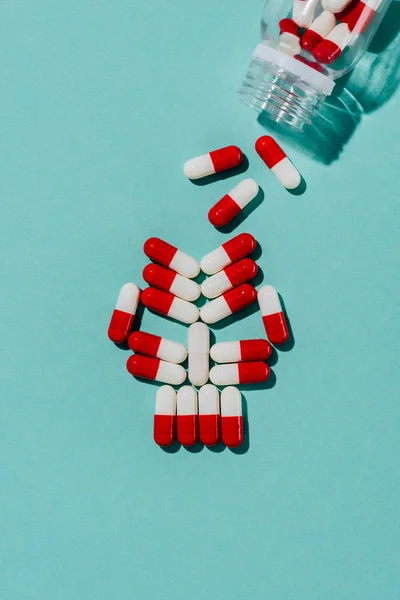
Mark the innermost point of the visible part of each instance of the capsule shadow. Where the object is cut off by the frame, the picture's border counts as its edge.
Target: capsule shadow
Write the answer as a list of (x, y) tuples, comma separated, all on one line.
[(273, 359), (172, 449), (239, 170), (300, 189), (258, 279), (256, 255), (237, 221), (198, 447), (245, 446), (218, 448)]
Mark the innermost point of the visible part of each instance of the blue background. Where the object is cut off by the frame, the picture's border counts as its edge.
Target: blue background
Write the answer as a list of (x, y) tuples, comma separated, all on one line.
[(101, 104)]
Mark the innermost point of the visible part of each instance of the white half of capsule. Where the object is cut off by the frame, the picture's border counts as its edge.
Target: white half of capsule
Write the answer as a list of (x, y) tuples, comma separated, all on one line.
[(128, 298), (323, 24), (183, 311), (244, 192), (215, 261), (198, 167), (303, 12), (198, 353), (226, 352), (215, 310), (171, 351), (231, 402), (225, 374), (214, 286), (209, 400), (268, 300), (335, 6), (287, 174), (170, 373), (185, 288), (165, 401), (185, 265), (187, 401), (340, 35), (289, 44)]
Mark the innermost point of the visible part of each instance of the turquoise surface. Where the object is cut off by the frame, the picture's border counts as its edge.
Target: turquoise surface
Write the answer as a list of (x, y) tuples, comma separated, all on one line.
[(101, 104)]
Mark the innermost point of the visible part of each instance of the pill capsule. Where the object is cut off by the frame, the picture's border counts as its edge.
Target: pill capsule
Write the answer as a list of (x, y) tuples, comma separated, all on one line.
[(331, 47), (169, 281), (213, 162), (155, 369), (319, 29), (289, 37), (231, 277), (187, 416), (303, 12), (156, 346), (273, 315), (358, 14), (209, 415), (169, 305), (230, 252), (240, 373), (276, 160), (167, 255), (228, 304), (231, 204), (165, 416), (241, 351), (231, 417), (124, 313), (335, 6), (198, 353)]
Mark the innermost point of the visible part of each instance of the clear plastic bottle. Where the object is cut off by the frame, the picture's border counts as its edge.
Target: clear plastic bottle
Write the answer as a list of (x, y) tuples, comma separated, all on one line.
[(307, 45)]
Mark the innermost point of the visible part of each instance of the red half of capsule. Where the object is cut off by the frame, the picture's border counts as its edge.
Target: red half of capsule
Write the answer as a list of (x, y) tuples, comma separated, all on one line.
[(209, 429), (232, 431), (327, 52), (242, 271), (144, 343), (253, 372), (157, 300), (187, 429), (240, 297), (309, 40), (164, 429), (120, 326), (143, 366), (254, 350), (223, 211), (276, 328), (159, 251), (226, 158), (240, 246), (159, 277), (269, 150), (288, 26)]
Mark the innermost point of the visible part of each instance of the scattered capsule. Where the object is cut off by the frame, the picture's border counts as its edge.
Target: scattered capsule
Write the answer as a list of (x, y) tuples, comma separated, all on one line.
[(209, 415), (157, 347), (187, 416), (303, 12), (318, 30), (167, 255), (231, 417), (198, 353), (331, 47), (155, 369), (276, 160), (272, 315), (165, 416), (228, 304), (241, 351), (169, 281), (169, 305), (213, 162), (124, 313), (289, 37), (230, 252), (229, 278), (240, 373), (231, 204)]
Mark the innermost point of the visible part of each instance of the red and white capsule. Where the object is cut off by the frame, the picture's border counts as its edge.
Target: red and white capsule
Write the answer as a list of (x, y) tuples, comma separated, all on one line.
[(209, 415), (167, 255), (240, 373), (332, 46), (187, 416), (155, 369), (213, 162), (358, 14), (229, 278), (289, 37), (124, 313), (169, 305), (241, 351), (233, 250), (198, 353), (233, 203), (276, 160), (272, 315), (335, 6), (228, 303), (164, 430), (303, 12), (157, 347), (318, 30), (169, 281), (231, 417)]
